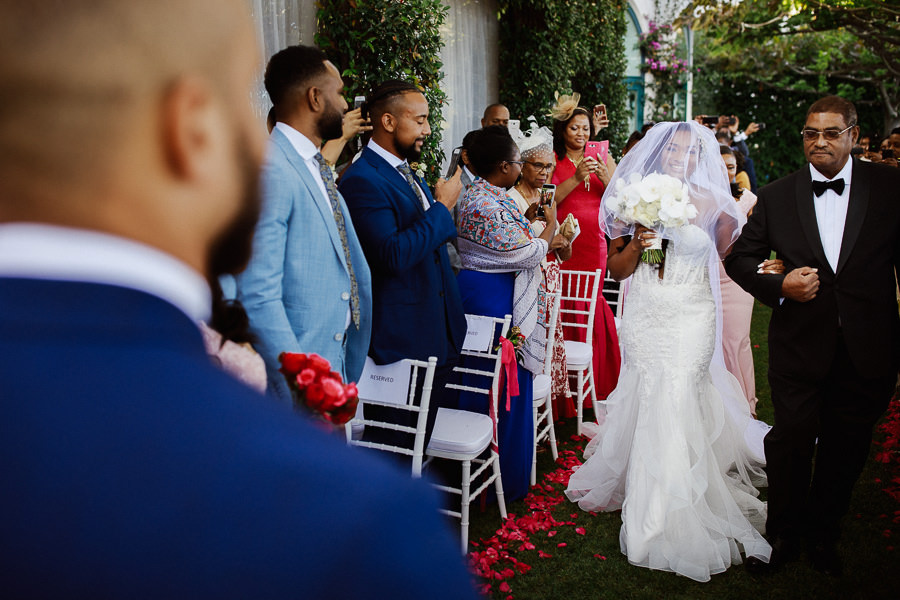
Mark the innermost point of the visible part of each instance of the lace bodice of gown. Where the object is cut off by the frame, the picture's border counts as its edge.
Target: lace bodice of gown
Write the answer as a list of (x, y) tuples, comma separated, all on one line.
[(673, 316)]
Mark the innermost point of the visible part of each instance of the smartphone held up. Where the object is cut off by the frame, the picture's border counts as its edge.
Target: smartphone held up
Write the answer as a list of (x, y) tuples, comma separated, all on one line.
[(547, 194), (597, 150), (454, 162)]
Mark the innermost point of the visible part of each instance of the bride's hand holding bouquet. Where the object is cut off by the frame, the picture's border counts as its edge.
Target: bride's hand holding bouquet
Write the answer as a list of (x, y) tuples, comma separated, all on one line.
[(643, 238)]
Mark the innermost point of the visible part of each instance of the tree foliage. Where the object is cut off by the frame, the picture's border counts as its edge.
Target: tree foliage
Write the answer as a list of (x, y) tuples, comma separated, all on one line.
[(549, 46), (371, 41), (813, 47)]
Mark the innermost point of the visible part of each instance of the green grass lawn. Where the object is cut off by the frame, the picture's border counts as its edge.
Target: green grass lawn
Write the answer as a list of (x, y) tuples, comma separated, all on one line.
[(551, 549)]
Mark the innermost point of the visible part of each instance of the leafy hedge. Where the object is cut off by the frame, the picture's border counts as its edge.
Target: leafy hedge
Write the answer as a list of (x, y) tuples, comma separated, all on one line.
[(549, 46), (373, 40)]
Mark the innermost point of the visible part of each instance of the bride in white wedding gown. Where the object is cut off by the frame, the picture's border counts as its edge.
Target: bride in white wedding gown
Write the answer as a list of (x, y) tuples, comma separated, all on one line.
[(678, 451)]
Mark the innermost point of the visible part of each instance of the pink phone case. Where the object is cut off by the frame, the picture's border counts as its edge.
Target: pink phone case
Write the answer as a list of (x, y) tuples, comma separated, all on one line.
[(598, 150)]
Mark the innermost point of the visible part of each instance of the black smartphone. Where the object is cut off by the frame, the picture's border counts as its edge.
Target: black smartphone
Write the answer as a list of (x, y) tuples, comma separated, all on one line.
[(548, 192), (857, 150), (710, 120), (358, 101), (887, 153), (736, 190), (454, 162), (761, 126)]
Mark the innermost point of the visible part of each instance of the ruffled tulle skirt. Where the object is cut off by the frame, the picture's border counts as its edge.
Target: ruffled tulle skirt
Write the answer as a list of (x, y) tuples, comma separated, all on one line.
[(677, 450)]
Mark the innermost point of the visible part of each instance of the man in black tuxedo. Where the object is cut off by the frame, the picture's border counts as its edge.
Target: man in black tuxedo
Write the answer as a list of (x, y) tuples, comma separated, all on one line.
[(834, 337)]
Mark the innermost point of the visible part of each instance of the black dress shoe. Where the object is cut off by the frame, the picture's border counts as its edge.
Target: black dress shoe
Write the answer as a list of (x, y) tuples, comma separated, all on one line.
[(755, 566), (825, 559), (784, 550)]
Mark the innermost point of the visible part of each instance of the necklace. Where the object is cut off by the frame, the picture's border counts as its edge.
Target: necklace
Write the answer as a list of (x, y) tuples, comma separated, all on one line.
[(576, 162), (529, 196), (587, 180)]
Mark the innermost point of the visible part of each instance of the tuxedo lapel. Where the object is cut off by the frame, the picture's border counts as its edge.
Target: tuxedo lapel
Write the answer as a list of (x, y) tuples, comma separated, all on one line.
[(312, 188), (807, 210), (394, 177), (856, 213)]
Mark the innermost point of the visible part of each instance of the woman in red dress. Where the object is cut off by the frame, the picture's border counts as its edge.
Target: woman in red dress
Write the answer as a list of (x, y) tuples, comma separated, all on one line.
[(580, 182)]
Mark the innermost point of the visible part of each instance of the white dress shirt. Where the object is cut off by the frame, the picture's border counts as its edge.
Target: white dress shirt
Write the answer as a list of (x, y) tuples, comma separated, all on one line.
[(37, 251), (831, 212), (307, 152), (395, 162)]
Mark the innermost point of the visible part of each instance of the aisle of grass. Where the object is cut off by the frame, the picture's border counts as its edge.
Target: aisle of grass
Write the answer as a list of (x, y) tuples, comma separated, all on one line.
[(550, 549)]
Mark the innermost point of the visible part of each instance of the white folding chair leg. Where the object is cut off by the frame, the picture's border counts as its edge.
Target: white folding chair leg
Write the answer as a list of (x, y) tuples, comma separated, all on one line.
[(593, 387), (543, 414), (534, 421), (464, 509), (498, 487), (579, 397), (553, 448)]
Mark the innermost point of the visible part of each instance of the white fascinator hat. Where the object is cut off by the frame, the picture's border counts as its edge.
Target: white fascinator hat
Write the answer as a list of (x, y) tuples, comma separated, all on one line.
[(534, 140)]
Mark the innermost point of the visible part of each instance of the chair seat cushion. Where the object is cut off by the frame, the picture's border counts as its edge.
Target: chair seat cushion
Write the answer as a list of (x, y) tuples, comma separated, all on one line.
[(578, 355), (541, 388), (460, 431)]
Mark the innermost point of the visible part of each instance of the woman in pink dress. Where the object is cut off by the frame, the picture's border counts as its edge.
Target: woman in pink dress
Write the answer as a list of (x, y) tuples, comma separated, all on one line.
[(227, 339), (580, 182), (737, 305)]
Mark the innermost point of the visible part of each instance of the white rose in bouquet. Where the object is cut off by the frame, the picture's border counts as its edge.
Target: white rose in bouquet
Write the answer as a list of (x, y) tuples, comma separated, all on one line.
[(654, 201)]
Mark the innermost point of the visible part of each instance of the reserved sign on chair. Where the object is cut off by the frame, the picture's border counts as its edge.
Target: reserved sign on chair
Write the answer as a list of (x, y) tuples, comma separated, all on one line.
[(385, 384), (479, 333)]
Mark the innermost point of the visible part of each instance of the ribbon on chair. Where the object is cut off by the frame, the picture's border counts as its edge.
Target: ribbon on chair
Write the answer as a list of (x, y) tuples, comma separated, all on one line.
[(509, 369)]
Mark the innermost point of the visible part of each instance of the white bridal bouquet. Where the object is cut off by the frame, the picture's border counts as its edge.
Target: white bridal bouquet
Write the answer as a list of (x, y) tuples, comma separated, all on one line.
[(654, 201)]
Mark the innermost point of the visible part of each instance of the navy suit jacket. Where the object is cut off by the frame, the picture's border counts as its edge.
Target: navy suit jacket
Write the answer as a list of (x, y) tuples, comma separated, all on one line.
[(132, 467), (416, 307), (859, 296)]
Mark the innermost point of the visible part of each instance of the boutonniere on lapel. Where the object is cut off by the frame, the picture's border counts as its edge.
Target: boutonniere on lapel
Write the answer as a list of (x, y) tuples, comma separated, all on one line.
[(418, 168)]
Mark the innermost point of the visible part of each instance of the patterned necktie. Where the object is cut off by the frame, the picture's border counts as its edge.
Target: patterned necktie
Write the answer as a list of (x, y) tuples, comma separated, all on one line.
[(407, 174), (328, 179), (837, 185)]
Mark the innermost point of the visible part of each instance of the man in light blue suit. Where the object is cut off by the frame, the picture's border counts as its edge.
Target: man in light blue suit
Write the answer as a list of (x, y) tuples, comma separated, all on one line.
[(307, 287), (133, 467)]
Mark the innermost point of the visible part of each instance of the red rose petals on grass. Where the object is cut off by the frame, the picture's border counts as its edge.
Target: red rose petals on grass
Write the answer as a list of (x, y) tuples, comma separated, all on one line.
[(497, 558)]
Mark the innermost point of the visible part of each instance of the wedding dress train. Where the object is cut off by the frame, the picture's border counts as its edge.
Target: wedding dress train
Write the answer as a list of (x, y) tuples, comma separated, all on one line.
[(678, 451)]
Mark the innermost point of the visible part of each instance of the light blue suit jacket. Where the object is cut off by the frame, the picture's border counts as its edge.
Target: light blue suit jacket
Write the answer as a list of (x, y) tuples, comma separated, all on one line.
[(296, 288)]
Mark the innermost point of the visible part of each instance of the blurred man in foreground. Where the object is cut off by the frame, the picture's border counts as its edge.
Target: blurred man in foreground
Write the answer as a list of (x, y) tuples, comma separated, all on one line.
[(133, 467)]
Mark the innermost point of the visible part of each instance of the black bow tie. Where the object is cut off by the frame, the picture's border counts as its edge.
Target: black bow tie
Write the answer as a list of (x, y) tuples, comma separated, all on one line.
[(819, 187)]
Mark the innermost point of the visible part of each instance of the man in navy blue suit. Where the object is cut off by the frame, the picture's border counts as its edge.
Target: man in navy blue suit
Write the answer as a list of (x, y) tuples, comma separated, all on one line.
[(132, 466), (416, 307)]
